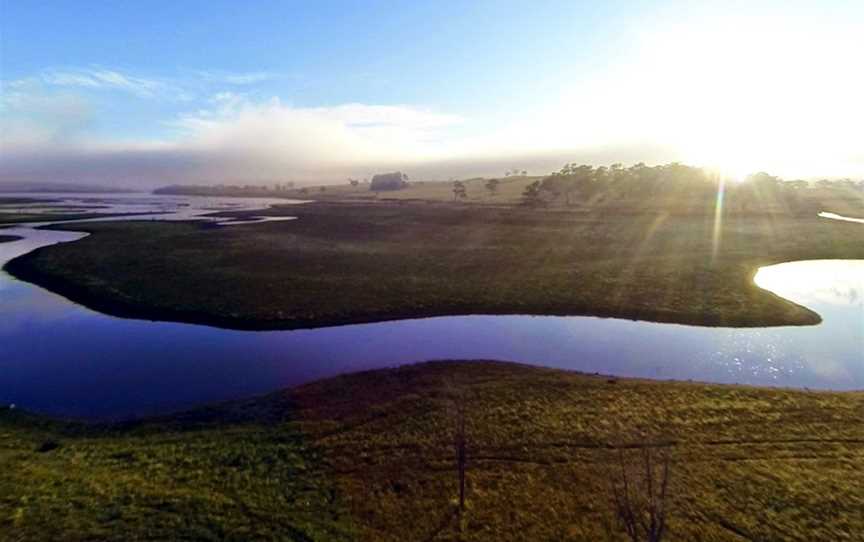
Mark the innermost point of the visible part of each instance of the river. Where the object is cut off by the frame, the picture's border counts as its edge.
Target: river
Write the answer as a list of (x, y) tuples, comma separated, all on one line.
[(60, 358)]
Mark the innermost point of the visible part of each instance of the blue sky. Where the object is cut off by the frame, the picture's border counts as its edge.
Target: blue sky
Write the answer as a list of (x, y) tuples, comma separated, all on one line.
[(133, 91), (460, 57)]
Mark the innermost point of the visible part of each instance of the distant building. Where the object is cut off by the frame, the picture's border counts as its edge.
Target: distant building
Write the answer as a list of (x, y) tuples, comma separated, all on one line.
[(389, 181)]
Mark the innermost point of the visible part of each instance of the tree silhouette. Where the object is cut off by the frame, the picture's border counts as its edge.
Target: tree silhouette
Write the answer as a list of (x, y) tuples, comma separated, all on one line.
[(492, 186), (460, 447), (531, 194), (639, 497), (459, 190)]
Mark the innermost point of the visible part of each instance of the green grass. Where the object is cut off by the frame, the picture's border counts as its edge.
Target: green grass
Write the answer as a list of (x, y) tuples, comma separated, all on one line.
[(207, 476), (370, 456), (344, 263)]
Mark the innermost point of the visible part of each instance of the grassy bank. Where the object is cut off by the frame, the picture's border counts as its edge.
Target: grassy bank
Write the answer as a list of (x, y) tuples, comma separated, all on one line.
[(370, 455), (344, 263), (8, 238)]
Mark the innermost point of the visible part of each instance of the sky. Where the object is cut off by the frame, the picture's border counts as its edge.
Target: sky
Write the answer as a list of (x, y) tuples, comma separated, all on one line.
[(149, 93)]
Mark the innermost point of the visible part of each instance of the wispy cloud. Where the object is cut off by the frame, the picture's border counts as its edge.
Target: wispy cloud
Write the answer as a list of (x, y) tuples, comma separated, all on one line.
[(94, 78), (30, 116), (183, 87), (239, 79)]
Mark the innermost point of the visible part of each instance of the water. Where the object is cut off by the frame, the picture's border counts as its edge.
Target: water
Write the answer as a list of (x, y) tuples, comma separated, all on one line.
[(60, 358), (835, 216)]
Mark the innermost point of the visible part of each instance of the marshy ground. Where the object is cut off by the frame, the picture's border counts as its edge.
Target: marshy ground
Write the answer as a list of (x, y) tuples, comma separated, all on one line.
[(356, 262)]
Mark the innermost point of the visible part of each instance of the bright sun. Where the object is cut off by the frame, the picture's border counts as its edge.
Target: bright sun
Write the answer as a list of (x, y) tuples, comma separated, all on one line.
[(751, 104)]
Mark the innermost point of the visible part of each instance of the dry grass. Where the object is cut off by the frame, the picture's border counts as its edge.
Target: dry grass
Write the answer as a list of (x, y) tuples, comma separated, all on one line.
[(748, 463), (370, 455)]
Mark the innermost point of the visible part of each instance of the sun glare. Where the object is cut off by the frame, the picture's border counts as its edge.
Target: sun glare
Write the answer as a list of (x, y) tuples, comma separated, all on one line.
[(750, 104)]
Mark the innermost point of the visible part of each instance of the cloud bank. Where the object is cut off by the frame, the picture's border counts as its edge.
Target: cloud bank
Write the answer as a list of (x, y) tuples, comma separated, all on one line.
[(242, 141), (738, 95), (233, 140)]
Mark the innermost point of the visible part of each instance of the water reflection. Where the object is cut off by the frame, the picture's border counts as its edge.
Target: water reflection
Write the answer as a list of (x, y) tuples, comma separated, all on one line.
[(256, 220), (61, 358), (835, 216), (824, 282)]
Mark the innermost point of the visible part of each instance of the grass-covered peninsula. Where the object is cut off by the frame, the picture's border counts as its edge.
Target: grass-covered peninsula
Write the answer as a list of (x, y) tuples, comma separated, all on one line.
[(370, 456), (8, 238), (357, 262)]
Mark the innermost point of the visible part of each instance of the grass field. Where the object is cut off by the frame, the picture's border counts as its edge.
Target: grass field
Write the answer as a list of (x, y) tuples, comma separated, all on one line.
[(343, 263), (370, 456)]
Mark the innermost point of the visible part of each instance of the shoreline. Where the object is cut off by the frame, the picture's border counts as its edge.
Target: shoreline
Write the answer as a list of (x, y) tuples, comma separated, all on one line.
[(420, 366)]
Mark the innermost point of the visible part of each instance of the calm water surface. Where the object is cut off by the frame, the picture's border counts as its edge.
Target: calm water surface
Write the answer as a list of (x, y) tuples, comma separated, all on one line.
[(60, 358)]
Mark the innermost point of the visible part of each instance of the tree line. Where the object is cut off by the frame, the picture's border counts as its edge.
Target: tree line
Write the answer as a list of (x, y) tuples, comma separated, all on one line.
[(580, 183)]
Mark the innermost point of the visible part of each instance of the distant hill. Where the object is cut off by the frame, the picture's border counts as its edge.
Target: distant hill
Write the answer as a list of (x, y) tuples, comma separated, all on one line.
[(41, 187)]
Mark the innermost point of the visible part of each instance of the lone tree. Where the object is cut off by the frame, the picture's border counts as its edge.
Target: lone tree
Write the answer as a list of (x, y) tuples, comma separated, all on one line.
[(353, 182), (492, 186), (459, 443), (531, 194), (639, 494), (389, 181), (460, 439), (459, 190)]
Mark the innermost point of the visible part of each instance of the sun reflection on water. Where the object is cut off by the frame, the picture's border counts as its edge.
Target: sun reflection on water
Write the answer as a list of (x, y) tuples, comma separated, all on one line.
[(829, 282)]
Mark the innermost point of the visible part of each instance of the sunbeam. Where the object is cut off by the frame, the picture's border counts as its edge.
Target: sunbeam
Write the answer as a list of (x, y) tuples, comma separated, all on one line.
[(718, 219)]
